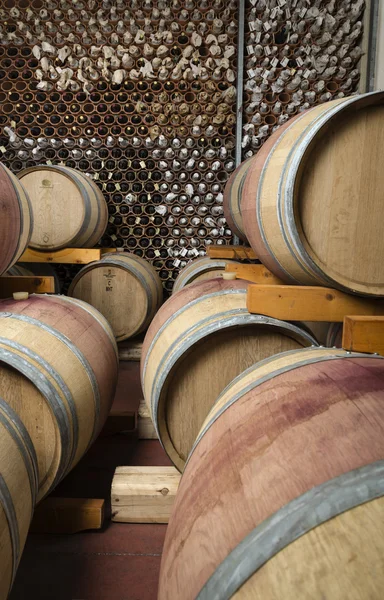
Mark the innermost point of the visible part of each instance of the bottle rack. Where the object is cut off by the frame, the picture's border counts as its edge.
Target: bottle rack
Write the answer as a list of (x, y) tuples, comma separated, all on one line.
[(297, 56), (141, 97)]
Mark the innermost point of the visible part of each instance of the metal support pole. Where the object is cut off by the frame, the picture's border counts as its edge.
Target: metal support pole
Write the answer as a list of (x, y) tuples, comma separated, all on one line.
[(240, 81), (240, 84)]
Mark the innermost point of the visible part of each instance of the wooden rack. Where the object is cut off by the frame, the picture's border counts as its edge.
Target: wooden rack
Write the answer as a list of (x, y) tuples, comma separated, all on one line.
[(232, 252), (79, 256), (307, 303), (9, 284)]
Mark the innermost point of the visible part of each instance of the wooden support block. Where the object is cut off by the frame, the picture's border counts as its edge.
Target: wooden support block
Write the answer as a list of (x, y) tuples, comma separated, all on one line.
[(255, 273), (364, 334), (143, 494), (236, 252), (80, 256), (146, 430), (297, 303), (130, 351), (119, 422), (67, 515), (32, 284)]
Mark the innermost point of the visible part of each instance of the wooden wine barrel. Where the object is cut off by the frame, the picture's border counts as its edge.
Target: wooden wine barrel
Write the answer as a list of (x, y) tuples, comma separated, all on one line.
[(282, 495), (125, 288), (58, 371), (200, 339), (319, 330), (312, 224), (334, 335), (31, 269), (68, 208), (16, 219), (232, 200), (18, 489), (199, 270)]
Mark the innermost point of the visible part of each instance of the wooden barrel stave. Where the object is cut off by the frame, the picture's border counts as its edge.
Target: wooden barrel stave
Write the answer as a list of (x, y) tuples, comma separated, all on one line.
[(317, 565), (199, 270), (116, 282), (67, 375), (232, 200), (18, 489), (68, 210), (284, 220), (252, 223), (201, 339), (76, 321), (292, 423), (54, 351), (16, 219), (101, 217)]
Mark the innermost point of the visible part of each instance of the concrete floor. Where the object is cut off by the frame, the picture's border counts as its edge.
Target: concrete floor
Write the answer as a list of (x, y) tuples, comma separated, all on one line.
[(120, 562)]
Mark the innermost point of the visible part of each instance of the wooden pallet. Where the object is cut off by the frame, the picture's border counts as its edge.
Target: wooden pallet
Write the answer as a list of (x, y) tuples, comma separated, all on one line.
[(143, 494), (67, 515), (130, 350)]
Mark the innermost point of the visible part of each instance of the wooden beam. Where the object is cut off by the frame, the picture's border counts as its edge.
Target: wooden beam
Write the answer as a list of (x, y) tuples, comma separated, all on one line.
[(80, 256), (254, 273), (145, 428), (235, 252), (297, 303), (364, 334), (31, 284), (143, 494), (366, 40), (67, 515), (130, 350)]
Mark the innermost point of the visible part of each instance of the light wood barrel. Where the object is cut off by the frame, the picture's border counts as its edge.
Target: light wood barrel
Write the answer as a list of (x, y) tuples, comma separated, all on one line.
[(58, 371), (18, 489), (125, 288), (200, 339), (282, 495), (16, 219), (312, 197), (232, 200), (68, 208), (31, 269), (199, 270)]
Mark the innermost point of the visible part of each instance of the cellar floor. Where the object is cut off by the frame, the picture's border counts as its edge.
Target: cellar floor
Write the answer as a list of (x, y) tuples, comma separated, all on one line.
[(120, 562)]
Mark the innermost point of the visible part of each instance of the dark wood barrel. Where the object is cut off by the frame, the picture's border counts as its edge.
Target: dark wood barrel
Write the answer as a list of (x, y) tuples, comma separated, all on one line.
[(199, 270), (315, 225), (18, 491), (69, 210), (16, 219), (58, 370), (125, 288), (200, 339), (282, 495)]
